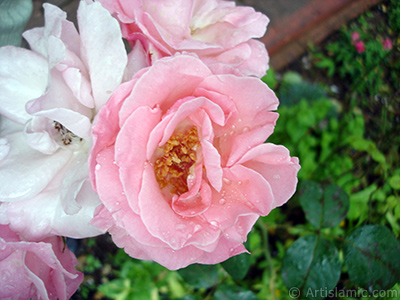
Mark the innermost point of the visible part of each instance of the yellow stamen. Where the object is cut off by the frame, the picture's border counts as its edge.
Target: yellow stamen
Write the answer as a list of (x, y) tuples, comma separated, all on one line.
[(177, 162)]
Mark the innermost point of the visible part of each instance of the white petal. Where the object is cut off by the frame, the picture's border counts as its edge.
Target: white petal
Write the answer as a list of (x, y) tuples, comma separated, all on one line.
[(26, 172), (23, 77), (79, 86), (4, 148), (58, 95), (78, 124), (38, 135), (74, 178), (8, 127), (43, 215), (102, 49), (38, 37)]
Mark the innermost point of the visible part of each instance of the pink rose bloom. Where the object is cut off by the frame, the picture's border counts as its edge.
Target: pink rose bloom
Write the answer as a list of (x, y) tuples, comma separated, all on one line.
[(359, 45), (36, 270), (218, 31), (355, 36), (180, 164), (387, 44)]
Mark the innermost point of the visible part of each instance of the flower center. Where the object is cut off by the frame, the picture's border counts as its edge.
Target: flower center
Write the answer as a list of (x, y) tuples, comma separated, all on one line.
[(67, 137), (177, 163)]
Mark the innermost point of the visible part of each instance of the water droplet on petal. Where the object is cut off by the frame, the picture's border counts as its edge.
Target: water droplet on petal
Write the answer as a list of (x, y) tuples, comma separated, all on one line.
[(98, 167), (214, 223), (245, 129), (227, 181), (197, 228), (222, 201)]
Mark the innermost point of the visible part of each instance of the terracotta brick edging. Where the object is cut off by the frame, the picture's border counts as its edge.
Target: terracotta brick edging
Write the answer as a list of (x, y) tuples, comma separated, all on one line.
[(288, 38)]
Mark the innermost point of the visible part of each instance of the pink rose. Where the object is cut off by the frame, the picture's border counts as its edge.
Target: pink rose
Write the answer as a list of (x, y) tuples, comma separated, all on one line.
[(359, 47), (387, 44), (216, 30), (355, 36), (30, 270), (180, 164)]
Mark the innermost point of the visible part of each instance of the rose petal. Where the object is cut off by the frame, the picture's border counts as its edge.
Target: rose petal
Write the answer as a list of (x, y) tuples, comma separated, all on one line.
[(23, 77), (103, 50)]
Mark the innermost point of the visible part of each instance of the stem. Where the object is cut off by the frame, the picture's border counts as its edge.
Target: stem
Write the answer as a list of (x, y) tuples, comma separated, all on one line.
[(272, 272)]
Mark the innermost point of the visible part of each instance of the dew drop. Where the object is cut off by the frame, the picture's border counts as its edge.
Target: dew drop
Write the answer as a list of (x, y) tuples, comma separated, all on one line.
[(245, 129), (239, 182), (196, 228), (214, 223), (227, 181), (98, 167), (222, 201)]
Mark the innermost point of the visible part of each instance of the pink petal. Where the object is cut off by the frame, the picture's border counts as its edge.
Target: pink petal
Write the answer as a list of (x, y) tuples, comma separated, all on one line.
[(131, 151), (151, 89), (277, 167)]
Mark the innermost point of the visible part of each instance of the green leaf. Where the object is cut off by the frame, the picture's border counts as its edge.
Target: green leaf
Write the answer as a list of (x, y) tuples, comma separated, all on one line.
[(372, 256), (200, 276), (118, 289), (311, 264), (394, 182), (359, 203), (232, 292), (323, 208), (270, 79), (191, 297), (237, 266)]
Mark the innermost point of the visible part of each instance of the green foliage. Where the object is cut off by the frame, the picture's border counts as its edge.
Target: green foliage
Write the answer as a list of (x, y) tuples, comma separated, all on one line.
[(227, 292), (237, 266), (371, 254), (323, 208), (311, 263), (200, 276)]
